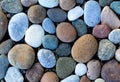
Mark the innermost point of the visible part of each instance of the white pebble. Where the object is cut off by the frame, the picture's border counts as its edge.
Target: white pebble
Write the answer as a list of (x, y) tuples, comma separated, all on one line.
[(72, 78), (117, 55), (99, 80)]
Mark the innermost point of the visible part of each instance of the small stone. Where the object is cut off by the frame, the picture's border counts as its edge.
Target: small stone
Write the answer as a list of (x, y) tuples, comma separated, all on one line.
[(28, 3), (84, 48), (75, 13), (104, 3), (66, 32), (94, 68), (80, 69), (4, 63), (48, 26), (63, 49), (36, 14), (117, 55), (80, 1), (46, 58), (36, 31), (72, 78), (35, 73), (99, 80), (12, 6), (80, 27), (92, 12), (13, 75), (65, 66), (106, 50), (109, 18), (84, 79), (16, 27), (57, 14), (48, 3), (49, 77), (21, 56), (101, 31), (67, 4)]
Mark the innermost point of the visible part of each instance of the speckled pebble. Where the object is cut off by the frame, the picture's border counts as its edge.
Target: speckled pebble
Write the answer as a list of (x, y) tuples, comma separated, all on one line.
[(72, 78), (28, 3), (46, 58), (84, 79), (105, 2), (99, 80), (117, 55)]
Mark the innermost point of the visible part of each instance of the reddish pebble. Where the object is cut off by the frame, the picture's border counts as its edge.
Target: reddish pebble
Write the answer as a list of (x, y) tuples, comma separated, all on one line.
[(84, 79)]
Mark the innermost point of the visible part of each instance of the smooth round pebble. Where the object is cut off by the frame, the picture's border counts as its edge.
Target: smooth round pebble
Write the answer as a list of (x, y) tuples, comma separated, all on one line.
[(84, 48), (48, 26), (46, 58), (104, 3), (80, 1), (117, 55), (36, 14), (16, 27), (65, 66), (21, 56), (57, 14), (13, 75), (80, 69), (49, 77), (36, 31), (28, 3), (99, 80), (75, 13), (66, 32), (84, 79), (72, 78), (50, 42), (92, 13)]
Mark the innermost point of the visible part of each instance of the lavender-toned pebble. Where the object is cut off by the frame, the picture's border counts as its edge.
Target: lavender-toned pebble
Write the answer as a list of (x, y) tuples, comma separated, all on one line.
[(99, 80), (48, 26), (16, 27), (72, 78), (13, 75), (28, 3), (92, 12), (46, 58)]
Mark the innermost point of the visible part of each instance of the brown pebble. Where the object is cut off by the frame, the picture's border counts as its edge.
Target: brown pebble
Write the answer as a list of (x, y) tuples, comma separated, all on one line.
[(84, 79)]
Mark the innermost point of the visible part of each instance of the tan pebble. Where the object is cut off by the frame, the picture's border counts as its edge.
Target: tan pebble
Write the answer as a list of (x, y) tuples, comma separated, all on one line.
[(84, 79)]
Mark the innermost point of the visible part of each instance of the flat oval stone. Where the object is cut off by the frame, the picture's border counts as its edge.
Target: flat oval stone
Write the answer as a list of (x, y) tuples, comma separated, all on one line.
[(106, 50), (92, 12), (84, 48), (75, 13), (65, 66), (21, 56), (99, 80), (28, 3), (66, 32), (12, 6), (72, 78), (84, 79), (57, 14), (104, 3), (38, 33), (36, 14), (109, 18), (16, 27), (117, 55)]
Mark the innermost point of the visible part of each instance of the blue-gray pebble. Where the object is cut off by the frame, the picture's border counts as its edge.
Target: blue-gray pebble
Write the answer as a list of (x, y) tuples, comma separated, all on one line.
[(80, 26), (104, 3), (80, 1), (50, 42), (115, 6), (3, 65), (92, 12), (48, 26)]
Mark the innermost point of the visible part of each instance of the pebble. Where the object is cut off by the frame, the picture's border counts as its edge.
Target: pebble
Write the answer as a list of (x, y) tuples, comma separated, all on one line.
[(92, 12), (114, 36), (94, 69), (110, 18), (104, 3), (72, 78), (48, 26), (111, 71), (75, 13), (28, 3), (84, 79), (106, 50), (57, 14), (38, 33), (49, 77), (21, 56), (35, 73), (46, 58), (84, 48), (13, 75), (48, 3), (80, 27), (117, 55), (4, 63), (5, 46), (66, 32), (115, 6), (36, 14), (12, 6), (67, 4), (50, 42), (99, 80), (80, 1), (16, 27), (64, 67), (63, 49), (101, 31)]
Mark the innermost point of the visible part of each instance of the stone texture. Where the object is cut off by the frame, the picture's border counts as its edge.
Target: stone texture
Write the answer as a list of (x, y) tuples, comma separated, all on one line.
[(99, 80), (104, 3), (84, 79), (28, 3), (117, 54), (72, 78)]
